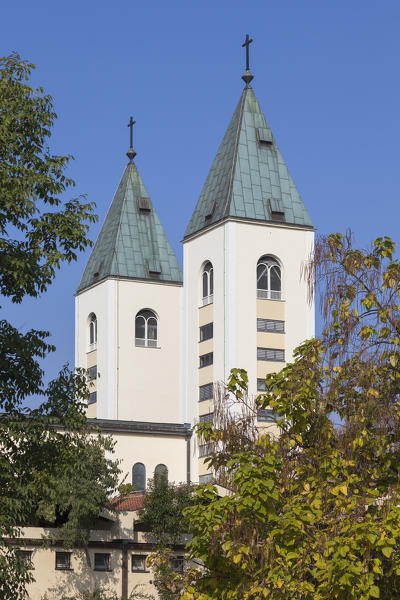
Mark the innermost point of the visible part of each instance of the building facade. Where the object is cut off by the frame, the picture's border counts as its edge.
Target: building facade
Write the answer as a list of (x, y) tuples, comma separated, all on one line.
[(241, 301), (155, 341)]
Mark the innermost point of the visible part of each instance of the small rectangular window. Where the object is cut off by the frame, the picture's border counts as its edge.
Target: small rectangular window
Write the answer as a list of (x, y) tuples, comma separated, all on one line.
[(206, 360), (139, 562), (26, 556), (178, 564), (63, 561), (206, 392), (206, 332), (92, 398), (266, 415), (102, 562), (261, 385), (205, 450), (270, 326), (208, 418), (206, 478), (271, 354), (92, 373)]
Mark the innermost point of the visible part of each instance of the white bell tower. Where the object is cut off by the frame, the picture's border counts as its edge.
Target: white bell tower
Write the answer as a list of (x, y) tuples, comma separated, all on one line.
[(251, 231), (128, 313)]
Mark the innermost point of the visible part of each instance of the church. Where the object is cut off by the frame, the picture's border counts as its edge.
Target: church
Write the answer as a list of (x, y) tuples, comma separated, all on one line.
[(155, 340)]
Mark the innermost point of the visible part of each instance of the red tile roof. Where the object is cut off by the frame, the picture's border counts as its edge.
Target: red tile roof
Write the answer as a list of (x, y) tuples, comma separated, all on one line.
[(130, 502)]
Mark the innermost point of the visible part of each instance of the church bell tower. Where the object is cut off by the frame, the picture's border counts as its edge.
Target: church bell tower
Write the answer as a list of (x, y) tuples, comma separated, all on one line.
[(245, 303)]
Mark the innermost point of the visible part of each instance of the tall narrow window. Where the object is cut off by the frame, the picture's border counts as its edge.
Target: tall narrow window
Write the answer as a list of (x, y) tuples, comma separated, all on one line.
[(269, 285), (139, 477), (146, 329), (208, 283), (92, 332), (161, 473)]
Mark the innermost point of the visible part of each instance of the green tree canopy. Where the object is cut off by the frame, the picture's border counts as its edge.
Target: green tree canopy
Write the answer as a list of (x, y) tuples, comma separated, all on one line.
[(51, 469), (314, 512)]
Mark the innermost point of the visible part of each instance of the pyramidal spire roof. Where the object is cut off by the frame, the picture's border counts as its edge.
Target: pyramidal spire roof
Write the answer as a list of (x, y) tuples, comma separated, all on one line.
[(248, 178), (132, 242)]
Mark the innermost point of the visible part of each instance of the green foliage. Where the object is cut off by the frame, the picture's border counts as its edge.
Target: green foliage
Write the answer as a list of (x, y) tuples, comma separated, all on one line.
[(163, 508), (126, 488), (163, 516), (31, 183), (48, 475), (314, 512), (166, 580)]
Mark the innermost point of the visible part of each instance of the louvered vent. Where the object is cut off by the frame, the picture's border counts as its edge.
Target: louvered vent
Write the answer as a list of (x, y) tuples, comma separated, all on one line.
[(144, 204), (210, 213), (154, 268), (264, 135), (276, 210)]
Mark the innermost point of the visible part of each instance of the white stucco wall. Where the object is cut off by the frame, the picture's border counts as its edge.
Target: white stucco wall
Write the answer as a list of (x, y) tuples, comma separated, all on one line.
[(234, 248), (151, 451), (134, 383)]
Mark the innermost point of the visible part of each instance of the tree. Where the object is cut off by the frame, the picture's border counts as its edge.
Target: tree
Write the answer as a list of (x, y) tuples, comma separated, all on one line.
[(162, 513), (163, 517), (314, 512), (51, 469)]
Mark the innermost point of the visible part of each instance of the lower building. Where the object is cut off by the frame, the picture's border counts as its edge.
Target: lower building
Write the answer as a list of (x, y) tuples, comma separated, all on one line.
[(114, 560)]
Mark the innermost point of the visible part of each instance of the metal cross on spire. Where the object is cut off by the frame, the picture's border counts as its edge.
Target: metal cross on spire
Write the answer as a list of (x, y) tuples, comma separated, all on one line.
[(246, 45), (247, 77), (131, 153)]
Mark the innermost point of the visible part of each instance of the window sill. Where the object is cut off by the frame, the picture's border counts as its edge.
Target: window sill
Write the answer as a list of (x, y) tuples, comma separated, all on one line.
[(205, 366), (271, 360), (63, 569), (102, 570), (206, 301), (273, 332), (271, 299), (139, 571), (206, 400), (148, 347), (145, 343)]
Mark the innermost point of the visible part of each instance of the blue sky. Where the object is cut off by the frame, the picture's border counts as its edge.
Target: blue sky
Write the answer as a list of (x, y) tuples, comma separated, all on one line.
[(326, 76)]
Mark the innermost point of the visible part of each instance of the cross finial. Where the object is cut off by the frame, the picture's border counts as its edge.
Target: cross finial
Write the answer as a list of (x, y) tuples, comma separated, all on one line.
[(247, 77), (131, 153)]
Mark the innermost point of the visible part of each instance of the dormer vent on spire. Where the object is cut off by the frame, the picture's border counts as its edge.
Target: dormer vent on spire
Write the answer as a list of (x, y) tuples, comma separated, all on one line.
[(144, 205), (264, 135)]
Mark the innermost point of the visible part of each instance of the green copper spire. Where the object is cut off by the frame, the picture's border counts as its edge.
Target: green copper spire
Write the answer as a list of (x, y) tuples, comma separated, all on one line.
[(132, 242), (248, 178)]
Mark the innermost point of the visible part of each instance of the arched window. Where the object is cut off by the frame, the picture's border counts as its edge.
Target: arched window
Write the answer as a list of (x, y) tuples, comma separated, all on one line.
[(269, 285), (146, 329), (139, 477), (161, 473), (92, 331), (208, 283)]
